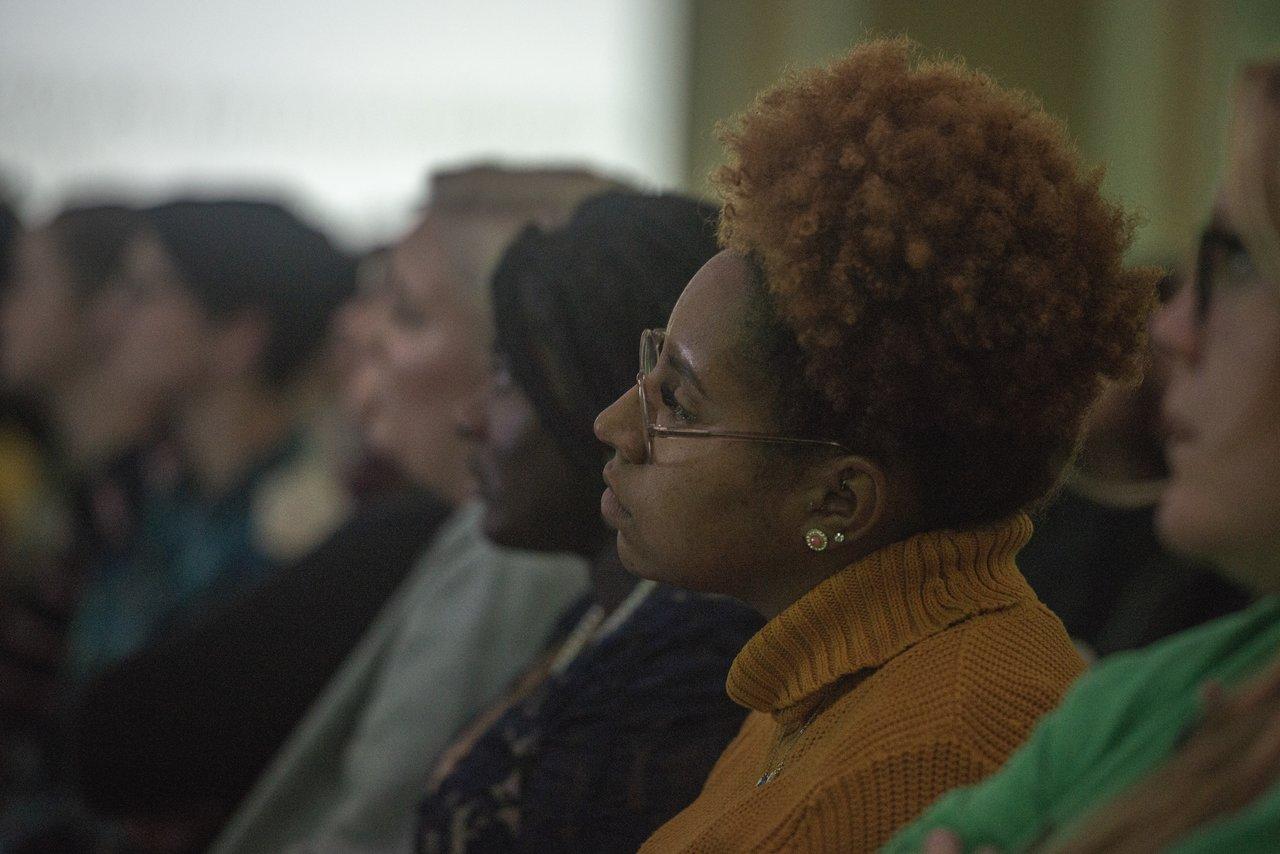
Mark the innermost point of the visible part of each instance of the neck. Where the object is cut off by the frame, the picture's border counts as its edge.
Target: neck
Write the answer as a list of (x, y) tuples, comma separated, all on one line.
[(451, 479), (227, 429), (1256, 570), (610, 581)]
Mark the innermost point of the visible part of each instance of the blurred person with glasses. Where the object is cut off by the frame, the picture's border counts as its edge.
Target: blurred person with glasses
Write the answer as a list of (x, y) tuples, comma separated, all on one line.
[(1176, 747)]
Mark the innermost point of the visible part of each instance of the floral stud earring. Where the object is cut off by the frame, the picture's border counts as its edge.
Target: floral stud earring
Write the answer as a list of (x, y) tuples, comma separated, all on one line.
[(838, 538), (815, 539)]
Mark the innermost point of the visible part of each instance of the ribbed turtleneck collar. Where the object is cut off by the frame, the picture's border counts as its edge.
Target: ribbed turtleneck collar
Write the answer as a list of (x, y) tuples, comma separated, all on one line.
[(869, 612)]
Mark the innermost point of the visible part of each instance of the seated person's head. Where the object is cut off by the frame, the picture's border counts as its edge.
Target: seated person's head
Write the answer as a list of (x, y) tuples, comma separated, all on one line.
[(224, 294), (1221, 333), (569, 306), (916, 270), (431, 314)]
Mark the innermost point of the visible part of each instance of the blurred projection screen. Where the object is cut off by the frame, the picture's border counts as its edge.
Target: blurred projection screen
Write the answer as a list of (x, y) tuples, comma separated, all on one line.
[(340, 105)]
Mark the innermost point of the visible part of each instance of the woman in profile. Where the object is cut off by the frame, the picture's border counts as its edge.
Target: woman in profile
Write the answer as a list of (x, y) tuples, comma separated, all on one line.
[(613, 731), (920, 295)]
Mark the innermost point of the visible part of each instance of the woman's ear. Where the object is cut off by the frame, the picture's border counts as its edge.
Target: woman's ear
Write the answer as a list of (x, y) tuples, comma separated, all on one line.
[(851, 499)]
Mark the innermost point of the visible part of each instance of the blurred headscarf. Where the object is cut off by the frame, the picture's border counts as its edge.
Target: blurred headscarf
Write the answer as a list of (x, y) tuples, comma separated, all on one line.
[(570, 304)]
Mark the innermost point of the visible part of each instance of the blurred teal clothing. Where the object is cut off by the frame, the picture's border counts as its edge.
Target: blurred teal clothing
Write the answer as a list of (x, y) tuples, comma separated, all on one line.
[(186, 551), (1117, 724)]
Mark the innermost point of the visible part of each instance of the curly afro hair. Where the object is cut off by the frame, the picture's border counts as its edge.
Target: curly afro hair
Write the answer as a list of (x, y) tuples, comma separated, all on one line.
[(951, 280)]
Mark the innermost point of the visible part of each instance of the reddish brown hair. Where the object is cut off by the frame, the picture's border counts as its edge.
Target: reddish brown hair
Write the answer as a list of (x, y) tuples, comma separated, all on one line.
[(954, 280)]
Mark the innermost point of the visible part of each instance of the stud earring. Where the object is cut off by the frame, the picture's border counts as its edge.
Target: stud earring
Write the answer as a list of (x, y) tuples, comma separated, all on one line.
[(838, 538), (815, 540)]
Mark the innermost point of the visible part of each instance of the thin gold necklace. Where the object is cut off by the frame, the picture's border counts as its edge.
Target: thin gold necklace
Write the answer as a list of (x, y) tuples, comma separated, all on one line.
[(786, 744)]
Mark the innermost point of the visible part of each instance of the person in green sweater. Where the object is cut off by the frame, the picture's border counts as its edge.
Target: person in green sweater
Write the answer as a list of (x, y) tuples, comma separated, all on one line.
[(1177, 747)]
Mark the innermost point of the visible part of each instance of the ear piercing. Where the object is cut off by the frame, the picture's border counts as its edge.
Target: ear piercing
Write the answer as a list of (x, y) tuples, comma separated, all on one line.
[(817, 541)]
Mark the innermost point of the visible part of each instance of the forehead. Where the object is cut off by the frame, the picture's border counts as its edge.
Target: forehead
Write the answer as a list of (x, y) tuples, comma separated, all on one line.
[(712, 308), (418, 263), (707, 325)]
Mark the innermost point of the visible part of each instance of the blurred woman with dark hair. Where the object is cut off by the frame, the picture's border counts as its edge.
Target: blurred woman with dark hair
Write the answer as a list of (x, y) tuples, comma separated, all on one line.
[(223, 304)]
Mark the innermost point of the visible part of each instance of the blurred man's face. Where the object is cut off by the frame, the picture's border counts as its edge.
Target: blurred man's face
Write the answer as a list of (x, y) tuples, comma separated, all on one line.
[(431, 355)]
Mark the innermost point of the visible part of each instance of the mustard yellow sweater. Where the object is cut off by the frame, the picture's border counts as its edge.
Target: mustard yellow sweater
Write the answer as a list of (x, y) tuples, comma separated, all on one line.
[(915, 670)]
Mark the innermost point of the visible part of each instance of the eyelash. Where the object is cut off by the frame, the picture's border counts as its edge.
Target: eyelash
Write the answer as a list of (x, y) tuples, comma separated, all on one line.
[(669, 398)]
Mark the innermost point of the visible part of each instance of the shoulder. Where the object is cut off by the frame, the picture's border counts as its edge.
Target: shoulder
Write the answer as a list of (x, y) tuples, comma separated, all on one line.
[(1171, 670)]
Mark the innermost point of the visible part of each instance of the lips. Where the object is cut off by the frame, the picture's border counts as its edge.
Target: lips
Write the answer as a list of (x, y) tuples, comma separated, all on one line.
[(611, 507)]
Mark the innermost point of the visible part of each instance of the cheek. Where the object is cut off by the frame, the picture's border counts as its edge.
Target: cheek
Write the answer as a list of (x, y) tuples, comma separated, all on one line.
[(39, 326), (158, 350), (703, 528), (429, 364)]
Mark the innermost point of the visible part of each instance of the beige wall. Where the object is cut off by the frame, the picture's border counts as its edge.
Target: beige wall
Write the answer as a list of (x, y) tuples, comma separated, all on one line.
[(1141, 83)]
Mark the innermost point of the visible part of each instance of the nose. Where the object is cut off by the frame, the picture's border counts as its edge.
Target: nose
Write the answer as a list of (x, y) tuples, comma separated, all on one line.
[(619, 426), (1175, 329)]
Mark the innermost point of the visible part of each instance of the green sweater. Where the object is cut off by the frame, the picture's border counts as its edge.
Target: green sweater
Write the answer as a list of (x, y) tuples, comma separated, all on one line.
[(1115, 725)]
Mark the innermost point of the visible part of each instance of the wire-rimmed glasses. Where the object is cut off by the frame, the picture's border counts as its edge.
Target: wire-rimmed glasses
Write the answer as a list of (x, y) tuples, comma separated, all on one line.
[(651, 342)]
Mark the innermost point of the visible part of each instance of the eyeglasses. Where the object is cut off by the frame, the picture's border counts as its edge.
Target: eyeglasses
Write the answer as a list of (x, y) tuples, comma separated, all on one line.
[(651, 342), (1222, 263)]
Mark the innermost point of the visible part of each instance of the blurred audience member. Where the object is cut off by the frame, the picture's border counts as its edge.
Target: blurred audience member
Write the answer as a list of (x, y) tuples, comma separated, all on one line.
[(171, 738), (74, 478), (1150, 752), (223, 304), (468, 616), (1094, 557), (614, 728)]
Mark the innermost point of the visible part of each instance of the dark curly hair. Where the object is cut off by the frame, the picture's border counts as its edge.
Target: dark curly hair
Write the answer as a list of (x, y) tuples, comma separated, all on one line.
[(943, 286)]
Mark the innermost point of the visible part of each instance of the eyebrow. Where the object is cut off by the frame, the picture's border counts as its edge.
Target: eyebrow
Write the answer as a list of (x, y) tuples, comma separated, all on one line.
[(685, 370)]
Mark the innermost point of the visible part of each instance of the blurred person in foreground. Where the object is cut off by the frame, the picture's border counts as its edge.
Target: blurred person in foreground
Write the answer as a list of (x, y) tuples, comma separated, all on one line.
[(1094, 557), (469, 615), (1177, 747), (614, 727), (920, 295)]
